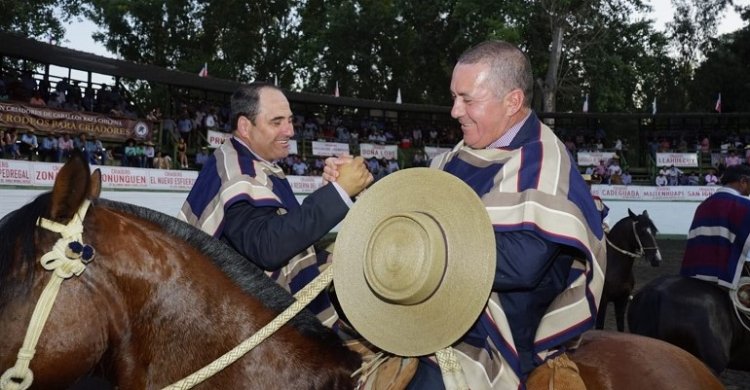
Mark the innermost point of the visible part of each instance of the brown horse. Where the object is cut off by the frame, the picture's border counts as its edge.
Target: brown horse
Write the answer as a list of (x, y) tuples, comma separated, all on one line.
[(614, 361), (160, 300)]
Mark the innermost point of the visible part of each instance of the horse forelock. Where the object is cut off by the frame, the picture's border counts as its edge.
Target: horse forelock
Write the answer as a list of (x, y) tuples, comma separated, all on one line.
[(251, 279), (18, 247)]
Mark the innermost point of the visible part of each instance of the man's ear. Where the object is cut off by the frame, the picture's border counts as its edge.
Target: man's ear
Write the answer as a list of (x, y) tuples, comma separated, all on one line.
[(244, 126), (514, 101)]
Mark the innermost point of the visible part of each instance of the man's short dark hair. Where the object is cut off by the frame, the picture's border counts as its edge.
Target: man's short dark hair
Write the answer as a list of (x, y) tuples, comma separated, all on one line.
[(735, 173), (245, 101)]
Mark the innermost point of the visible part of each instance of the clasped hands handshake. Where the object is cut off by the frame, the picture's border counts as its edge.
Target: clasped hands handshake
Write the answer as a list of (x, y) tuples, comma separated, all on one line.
[(349, 172)]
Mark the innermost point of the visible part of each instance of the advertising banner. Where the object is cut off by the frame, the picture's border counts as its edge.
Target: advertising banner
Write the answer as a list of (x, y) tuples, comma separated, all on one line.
[(327, 149), (586, 159), (652, 193), (677, 159), (387, 152), (48, 120)]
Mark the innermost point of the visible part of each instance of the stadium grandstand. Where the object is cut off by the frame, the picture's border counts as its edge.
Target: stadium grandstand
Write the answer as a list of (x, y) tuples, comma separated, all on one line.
[(133, 131)]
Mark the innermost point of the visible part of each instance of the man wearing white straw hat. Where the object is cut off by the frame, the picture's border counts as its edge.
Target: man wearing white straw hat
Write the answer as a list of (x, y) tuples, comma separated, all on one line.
[(548, 239)]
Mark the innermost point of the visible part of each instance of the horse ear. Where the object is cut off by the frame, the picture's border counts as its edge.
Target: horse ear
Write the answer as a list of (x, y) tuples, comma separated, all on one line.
[(70, 188), (645, 212), (631, 213), (95, 185)]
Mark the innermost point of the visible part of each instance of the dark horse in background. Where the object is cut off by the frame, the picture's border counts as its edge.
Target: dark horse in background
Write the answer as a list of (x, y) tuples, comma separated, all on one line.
[(160, 300), (695, 315), (632, 237)]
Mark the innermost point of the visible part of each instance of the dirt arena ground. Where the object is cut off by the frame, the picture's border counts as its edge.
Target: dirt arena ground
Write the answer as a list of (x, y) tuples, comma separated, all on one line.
[(672, 251)]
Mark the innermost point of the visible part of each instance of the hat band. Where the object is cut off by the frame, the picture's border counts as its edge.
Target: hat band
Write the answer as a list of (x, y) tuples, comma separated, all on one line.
[(405, 258)]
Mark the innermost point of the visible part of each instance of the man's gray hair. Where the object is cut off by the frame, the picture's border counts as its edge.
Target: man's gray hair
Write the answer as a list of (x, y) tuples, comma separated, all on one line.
[(245, 101), (510, 68)]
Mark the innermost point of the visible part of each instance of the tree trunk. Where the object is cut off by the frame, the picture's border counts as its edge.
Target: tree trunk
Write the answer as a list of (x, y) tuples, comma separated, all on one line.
[(549, 88)]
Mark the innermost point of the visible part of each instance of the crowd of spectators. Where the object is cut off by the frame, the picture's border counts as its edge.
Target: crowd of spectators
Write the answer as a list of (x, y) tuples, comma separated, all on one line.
[(183, 147), (65, 94), (52, 147)]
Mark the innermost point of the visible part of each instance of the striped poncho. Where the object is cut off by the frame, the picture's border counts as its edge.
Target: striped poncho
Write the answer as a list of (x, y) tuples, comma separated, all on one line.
[(532, 185), (233, 174), (719, 239)]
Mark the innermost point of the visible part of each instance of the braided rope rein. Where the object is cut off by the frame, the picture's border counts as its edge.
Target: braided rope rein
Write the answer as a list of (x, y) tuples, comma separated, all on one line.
[(68, 257)]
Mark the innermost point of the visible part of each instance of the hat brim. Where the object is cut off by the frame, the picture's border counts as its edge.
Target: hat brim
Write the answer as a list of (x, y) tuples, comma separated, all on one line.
[(422, 328)]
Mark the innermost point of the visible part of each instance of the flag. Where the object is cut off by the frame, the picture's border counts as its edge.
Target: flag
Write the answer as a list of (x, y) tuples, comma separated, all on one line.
[(336, 92), (586, 104), (653, 107), (398, 96), (717, 107), (204, 70)]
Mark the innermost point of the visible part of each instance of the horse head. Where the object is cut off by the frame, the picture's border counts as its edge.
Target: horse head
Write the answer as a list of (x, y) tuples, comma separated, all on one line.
[(158, 301), (645, 235)]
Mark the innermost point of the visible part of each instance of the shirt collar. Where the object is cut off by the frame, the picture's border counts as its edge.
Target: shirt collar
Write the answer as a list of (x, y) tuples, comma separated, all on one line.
[(273, 168), (506, 138), (729, 190)]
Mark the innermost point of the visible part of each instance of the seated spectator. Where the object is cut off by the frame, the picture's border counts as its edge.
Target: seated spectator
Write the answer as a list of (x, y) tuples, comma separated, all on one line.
[(201, 157), (99, 154), (37, 99), (12, 150), (419, 159), (392, 166), (710, 179), (732, 159), (614, 171), (673, 175), (661, 180), (626, 178), (299, 167), (693, 179), (161, 161), (64, 147), (82, 143), (29, 146)]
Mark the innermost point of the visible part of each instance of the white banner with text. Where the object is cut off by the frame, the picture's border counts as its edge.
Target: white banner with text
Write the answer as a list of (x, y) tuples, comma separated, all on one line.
[(592, 158), (689, 160), (388, 152)]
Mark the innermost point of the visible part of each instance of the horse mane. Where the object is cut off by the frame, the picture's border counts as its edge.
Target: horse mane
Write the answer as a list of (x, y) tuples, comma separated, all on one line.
[(19, 231), (251, 279)]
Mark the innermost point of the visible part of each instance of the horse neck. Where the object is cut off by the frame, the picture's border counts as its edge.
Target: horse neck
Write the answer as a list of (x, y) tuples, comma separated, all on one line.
[(174, 314)]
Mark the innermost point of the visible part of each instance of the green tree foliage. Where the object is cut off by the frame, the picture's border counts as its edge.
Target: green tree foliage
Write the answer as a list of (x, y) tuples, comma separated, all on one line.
[(726, 70), (41, 19), (372, 48)]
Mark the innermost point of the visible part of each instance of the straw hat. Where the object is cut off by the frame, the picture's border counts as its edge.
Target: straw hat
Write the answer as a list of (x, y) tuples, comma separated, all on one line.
[(414, 261)]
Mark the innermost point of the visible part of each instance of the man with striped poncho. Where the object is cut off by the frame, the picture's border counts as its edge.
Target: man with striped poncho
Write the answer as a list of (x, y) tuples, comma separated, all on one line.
[(550, 253), (718, 245), (244, 198)]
